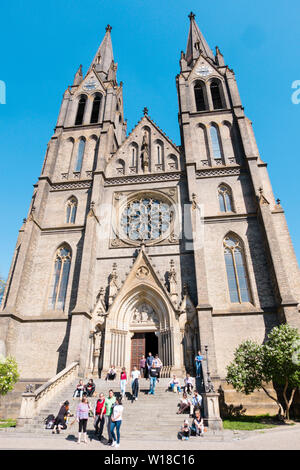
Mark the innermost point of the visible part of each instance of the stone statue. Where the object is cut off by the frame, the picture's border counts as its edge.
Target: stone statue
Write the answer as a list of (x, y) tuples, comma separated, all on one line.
[(145, 152)]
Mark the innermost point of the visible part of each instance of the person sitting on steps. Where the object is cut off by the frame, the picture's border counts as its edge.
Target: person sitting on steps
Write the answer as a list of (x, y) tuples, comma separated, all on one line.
[(197, 427), (184, 405), (90, 388), (111, 374), (79, 390), (188, 384), (174, 385)]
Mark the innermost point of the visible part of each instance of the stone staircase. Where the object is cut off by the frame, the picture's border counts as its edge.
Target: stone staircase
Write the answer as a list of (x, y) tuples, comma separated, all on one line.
[(149, 417)]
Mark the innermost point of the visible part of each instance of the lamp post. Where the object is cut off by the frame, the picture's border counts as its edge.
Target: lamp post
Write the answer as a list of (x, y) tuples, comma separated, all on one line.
[(209, 386)]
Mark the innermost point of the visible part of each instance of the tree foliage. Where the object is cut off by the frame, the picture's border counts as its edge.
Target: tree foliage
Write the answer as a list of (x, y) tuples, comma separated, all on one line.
[(8, 374), (277, 361)]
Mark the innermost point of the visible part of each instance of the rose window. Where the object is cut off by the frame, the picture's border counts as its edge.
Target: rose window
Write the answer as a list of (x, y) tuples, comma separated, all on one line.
[(145, 219)]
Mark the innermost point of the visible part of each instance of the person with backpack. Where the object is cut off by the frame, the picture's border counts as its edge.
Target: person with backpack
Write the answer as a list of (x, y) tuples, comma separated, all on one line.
[(109, 403), (99, 415), (61, 418), (153, 374)]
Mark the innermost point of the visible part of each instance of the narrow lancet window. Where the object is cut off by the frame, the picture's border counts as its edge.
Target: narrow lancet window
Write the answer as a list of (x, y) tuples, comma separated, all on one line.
[(60, 278), (236, 270)]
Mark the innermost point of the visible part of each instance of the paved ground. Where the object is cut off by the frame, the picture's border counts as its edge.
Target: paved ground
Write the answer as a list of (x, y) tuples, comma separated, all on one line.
[(282, 438)]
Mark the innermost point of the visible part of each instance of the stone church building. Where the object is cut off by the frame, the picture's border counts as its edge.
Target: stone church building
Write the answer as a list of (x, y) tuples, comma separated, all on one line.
[(135, 244)]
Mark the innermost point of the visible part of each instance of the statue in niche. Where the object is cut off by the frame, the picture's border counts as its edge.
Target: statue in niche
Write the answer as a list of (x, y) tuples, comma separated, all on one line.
[(145, 151)]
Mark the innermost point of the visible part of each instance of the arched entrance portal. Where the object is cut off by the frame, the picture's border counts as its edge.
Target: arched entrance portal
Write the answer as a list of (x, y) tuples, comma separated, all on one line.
[(143, 321)]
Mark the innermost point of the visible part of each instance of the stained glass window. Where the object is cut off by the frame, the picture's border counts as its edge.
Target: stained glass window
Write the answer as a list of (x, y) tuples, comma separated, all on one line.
[(71, 211), (225, 199), (80, 153), (60, 278), (236, 271), (145, 219)]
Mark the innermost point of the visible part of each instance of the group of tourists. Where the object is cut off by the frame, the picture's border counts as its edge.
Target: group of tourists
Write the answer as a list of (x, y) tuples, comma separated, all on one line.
[(107, 411)]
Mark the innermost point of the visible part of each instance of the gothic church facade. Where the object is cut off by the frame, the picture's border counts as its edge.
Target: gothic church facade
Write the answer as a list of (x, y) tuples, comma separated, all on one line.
[(135, 244)]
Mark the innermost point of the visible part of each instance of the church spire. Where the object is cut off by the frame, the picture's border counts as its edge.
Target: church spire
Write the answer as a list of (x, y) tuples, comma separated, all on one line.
[(196, 43), (104, 56)]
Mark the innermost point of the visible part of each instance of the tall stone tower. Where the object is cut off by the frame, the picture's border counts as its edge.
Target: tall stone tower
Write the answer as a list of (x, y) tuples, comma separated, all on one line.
[(134, 244)]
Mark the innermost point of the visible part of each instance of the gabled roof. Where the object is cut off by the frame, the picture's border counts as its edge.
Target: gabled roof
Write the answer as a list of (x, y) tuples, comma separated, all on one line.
[(143, 273), (144, 121)]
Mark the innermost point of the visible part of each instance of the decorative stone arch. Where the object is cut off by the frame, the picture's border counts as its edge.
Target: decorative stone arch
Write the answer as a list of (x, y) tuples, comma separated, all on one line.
[(144, 295)]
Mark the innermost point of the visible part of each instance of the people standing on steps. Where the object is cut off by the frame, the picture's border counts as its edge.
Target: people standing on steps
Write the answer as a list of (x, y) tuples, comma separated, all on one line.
[(82, 415), (61, 419), (116, 421), (188, 384), (135, 375), (109, 403), (143, 366), (99, 415), (79, 389), (123, 381), (158, 365), (90, 388), (198, 362), (149, 361), (153, 378)]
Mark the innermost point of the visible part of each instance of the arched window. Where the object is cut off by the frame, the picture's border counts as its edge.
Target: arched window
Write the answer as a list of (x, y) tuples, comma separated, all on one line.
[(225, 198), (80, 110), (216, 95), (215, 143), (96, 109), (60, 278), (199, 90), (71, 210), (80, 153), (158, 150), (133, 156), (236, 270)]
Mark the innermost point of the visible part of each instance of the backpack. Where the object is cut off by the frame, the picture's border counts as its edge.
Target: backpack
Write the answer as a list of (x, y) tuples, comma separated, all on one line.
[(49, 422)]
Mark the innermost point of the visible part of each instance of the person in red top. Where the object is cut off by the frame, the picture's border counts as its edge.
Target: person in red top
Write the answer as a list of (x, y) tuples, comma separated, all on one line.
[(99, 414), (123, 381)]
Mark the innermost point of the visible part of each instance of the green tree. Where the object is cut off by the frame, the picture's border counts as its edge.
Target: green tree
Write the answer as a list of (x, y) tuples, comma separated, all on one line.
[(277, 362), (247, 373), (8, 374), (281, 361)]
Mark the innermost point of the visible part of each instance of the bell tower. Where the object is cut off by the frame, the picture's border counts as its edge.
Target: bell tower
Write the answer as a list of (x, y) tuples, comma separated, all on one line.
[(223, 166)]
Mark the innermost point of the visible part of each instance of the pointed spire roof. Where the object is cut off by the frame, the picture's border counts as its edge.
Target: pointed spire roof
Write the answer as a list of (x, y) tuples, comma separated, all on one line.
[(196, 43), (104, 56)]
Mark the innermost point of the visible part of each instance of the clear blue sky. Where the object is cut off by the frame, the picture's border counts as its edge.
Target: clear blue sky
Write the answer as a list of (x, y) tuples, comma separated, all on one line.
[(43, 44)]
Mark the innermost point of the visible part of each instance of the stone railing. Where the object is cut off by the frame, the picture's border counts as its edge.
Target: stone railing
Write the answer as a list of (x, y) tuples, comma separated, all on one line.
[(33, 402)]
